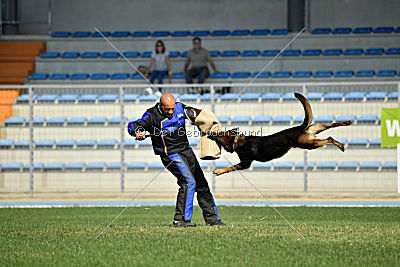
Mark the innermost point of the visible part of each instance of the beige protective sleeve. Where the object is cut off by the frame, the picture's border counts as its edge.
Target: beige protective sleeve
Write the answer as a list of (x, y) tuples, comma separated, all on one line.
[(208, 122)]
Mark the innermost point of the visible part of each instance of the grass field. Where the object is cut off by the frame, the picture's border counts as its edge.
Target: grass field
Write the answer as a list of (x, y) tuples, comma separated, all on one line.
[(143, 236)]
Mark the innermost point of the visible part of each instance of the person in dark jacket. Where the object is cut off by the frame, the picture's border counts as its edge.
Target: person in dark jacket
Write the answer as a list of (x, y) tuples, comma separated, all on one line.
[(166, 123)]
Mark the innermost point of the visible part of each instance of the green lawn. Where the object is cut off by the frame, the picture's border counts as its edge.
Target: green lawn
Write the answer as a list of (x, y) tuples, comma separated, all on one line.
[(143, 236)]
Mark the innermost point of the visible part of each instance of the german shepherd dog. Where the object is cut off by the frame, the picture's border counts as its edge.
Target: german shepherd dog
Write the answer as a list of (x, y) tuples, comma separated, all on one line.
[(266, 148)]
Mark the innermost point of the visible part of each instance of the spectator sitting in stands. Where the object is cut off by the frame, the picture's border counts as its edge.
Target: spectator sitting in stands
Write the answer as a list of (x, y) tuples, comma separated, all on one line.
[(198, 57), (162, 66)]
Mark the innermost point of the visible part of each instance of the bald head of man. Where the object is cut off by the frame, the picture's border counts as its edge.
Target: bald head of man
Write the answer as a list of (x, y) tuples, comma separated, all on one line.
[(167, 105)]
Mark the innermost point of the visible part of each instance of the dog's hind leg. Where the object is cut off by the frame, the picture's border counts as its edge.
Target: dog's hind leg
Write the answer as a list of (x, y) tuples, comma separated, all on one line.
[(240, 166), (318, 127), (316, 143)]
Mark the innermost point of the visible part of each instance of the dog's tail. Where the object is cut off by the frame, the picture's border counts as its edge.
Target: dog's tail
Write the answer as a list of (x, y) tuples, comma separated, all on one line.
[(307, 110)]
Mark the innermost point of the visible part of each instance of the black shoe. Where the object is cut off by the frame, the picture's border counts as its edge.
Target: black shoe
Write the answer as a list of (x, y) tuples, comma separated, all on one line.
[(183, 224), (216, 223)]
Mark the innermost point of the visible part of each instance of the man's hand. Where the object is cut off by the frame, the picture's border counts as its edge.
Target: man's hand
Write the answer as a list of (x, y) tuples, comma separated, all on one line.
[(141, 136)]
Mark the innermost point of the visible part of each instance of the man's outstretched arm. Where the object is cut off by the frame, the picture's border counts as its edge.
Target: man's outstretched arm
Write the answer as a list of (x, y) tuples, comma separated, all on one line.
[(137, 128)]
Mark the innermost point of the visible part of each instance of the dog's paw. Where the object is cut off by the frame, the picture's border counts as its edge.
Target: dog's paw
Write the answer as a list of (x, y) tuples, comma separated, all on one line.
[(347, 123), (341, 147), (218, 171)]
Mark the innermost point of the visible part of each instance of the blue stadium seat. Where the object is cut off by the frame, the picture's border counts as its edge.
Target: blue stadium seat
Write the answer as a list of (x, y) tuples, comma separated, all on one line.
[(263, 74), (376, 142), (310, 165), (323, 74), (348, 165), (367, 119), (332, 52), (358, 142), (95, 166), (39, 121), (223, 119), (101, 34), (343, 118), (56, 121), (341, 31), (270, 53), (241, 119), (230, 53), (393, 51), (386, 73), (291, 53), (47, 98), (114, 165), (160, 34), (45, 143), (289, 97), (214, 53), (311, 52), (259, 32), (220, 33), (221, 75), (282, 119), (262, 119), (6, 143), (240, 32), (108, 98), (61, 34), (110, 55), (194, 141), (22, 144), (107, 143), (271, 97), (90, 55), (15, 121), (327, 165), (204, 164), (120, 34), (250, 97), (261, 165), (321, 31), (281, 74), (174, 54), (397, 30), (53, 166), (99, 76), (376, 96), (207, 96), (353, 52), (156, 165), (140, 34), (355, 96), (374, 51), (38, 76), (69, 55), (298, 119), (393, 96), (86, 143), (66, 143), (344, 73), (49, 55), (116, 120), (97, 121), (302, 74), (229, 96), (222, 164), (315, 96), (200, 33), (137, 77), (79, 76), (130, 143), (383, 30), (25, 98), (88, 98), (136, 165), (148, 98), (389, 166), (75, 166), (146, 54), (37, 166), (119, 76), (180, 34), (130, 97), (81, 34), (240, 75), (280, 32), (362, 30), (189, 97), (250, 53), (131, 54), (325, 119), (283, 165), (178, 75), (145, 143), (12, 166), (67, 98), (365, 73), (59, 76), (370, 165)]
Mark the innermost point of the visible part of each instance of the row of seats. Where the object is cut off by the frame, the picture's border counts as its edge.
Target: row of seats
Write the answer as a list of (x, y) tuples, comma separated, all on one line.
[(282, 165), (230, 53), (132, 143), (240, 32), (241, 119), (223, 75), (112, 98)]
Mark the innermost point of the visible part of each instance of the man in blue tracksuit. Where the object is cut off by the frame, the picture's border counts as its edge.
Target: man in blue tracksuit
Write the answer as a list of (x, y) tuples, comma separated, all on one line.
[(166, 123)]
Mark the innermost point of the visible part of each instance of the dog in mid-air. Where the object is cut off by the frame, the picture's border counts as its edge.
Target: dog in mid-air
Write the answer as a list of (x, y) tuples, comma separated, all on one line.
[(266, 148)]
